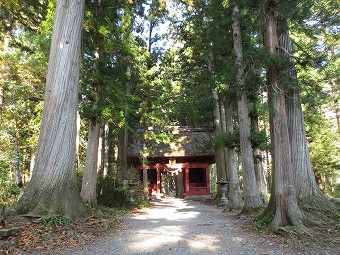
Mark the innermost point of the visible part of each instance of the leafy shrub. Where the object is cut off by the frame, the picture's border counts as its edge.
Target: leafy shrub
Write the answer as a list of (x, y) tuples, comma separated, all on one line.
[(259, 139), (9, 192), (54, 220), (110, 193), (227, 139), (263, 221)]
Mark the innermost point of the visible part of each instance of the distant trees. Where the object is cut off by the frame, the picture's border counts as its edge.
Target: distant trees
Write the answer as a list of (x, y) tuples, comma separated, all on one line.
[(314, 43), (23, 68)]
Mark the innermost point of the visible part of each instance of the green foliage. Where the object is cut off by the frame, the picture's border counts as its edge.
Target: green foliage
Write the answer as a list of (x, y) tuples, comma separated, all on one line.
[(52, 221), (122, 76), (227, 139), (259, 139), (314, 30), (263, 221), (23, 68), (112, 193), (9, 192)]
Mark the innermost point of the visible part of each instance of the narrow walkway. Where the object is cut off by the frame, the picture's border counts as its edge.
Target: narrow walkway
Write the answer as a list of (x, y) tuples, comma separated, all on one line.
[(176, 226)]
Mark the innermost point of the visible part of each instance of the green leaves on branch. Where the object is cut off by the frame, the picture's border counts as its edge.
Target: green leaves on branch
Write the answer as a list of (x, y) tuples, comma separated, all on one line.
[(259, 139), (228, 139)]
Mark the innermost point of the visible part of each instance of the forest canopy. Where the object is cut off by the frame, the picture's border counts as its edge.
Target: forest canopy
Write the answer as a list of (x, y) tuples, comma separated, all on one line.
[(207, 64)]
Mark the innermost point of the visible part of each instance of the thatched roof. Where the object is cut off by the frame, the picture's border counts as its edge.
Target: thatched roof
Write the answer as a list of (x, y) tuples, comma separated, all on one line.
[(176, 142)]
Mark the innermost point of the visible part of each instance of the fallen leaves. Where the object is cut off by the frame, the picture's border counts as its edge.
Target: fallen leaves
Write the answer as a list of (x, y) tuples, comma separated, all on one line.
[(33, 236)]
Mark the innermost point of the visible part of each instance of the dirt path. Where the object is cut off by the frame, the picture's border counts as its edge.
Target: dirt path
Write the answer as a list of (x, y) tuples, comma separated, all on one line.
[(175, 226)]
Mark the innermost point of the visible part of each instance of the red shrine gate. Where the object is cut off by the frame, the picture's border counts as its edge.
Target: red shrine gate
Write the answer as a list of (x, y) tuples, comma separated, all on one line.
[(191, 179), (186, 157)]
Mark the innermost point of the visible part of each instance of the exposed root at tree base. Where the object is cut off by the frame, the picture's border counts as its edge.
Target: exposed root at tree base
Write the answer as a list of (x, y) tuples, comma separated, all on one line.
[(287, 231), (320, 203)]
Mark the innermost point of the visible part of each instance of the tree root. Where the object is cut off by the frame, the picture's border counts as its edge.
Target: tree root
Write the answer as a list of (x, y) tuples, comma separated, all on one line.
[(288, 231), (319, 202)]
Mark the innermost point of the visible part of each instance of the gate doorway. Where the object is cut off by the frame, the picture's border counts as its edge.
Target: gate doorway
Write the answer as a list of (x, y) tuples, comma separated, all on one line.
[(188, 180)]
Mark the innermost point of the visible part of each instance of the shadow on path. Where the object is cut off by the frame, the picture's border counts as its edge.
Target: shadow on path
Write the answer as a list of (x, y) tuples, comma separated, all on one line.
[(176, 226)]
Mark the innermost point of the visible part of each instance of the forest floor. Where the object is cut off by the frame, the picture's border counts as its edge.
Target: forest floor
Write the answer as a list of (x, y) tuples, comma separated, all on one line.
[(168, 226)]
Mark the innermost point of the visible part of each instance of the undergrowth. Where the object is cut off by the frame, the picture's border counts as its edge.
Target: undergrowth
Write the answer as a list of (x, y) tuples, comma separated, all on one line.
[(262, 222), (54, 220), (325, 233), (114, 194)]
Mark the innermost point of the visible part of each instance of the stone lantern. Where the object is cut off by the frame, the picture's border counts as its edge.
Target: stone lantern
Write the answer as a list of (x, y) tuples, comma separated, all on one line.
[(132, 186), (223, 201)]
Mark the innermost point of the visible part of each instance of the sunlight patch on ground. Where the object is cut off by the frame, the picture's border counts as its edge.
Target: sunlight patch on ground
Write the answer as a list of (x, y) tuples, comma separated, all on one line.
[(161, 211), (172, 231), (204, 242), (238, 240), (147, 240), (167, 214), (169, 228)]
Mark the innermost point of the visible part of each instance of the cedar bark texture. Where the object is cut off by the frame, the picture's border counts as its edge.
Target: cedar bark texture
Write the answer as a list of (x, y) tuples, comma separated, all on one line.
[(219, 152), (89, 183), (53, 188), (4, 69), (252, 198), (306, 188), (286, 208), (122, 168), (235, 199), (258, 164)]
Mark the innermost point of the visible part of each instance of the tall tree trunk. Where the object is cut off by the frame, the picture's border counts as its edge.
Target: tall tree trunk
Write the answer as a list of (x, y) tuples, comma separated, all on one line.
[(336, 102), (111, 151), (305, 185), (145, 164), (223, 130), (219, 152), (4, 69), (258, 160), (235, 199), (53, 188), (18, 179), (100, 152), (105, 150), (78, 140), (251, 194), (89, 183), (286, 208), (122, 166)]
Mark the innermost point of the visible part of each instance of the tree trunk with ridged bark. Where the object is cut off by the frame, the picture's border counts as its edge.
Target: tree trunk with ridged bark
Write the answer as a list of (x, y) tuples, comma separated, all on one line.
[(105, 150), (235, 199), (53, 188), (283, 201), (122, 166), (89, 184), (8, 30), (306, 188), (219, 152), (258, 162), (251, 195)]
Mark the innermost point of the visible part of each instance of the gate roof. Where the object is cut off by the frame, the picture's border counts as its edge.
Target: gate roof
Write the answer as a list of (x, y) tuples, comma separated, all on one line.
[(173, 141)]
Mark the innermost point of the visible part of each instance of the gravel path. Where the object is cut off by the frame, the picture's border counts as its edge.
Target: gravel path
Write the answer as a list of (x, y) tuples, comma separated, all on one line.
[(176, 226)]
